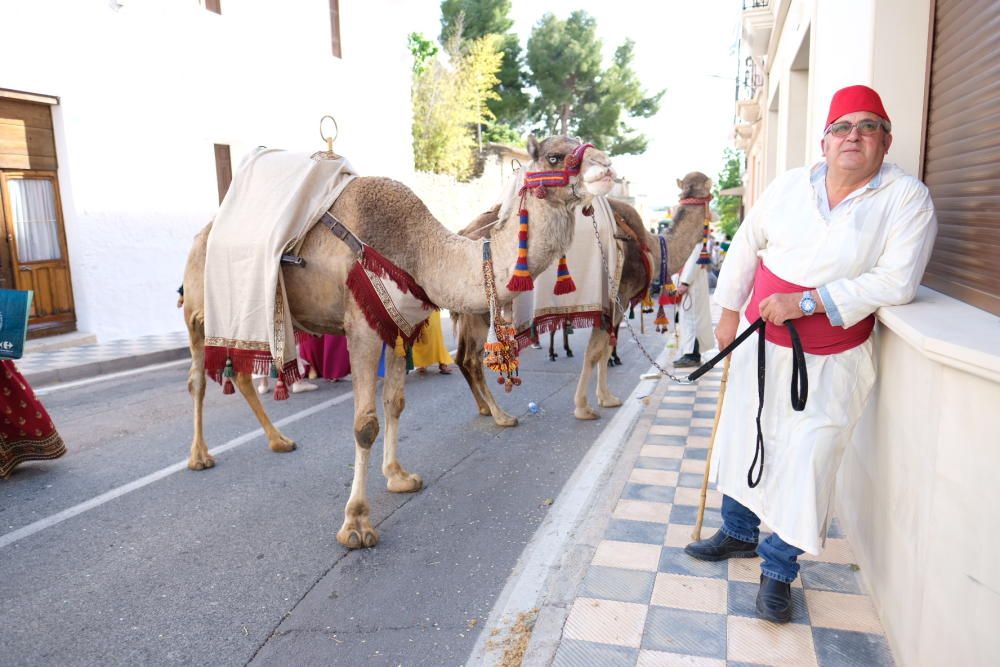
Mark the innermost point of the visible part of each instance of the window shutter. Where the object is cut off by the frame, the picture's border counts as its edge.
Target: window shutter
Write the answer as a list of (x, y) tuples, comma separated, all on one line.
[(962, 151)]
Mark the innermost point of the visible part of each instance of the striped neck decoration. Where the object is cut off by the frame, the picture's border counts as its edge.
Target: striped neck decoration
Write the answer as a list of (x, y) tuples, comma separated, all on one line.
[(537, 182)]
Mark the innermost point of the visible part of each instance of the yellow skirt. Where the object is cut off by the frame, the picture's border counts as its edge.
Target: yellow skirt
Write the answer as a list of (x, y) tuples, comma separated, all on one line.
[(429, 349)]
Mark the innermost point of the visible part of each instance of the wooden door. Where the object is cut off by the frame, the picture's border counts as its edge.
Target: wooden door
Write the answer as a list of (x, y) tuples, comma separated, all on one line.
[(36, 240)]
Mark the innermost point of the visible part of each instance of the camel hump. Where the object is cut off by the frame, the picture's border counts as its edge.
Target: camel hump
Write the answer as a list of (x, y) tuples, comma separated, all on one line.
[(628, 216)]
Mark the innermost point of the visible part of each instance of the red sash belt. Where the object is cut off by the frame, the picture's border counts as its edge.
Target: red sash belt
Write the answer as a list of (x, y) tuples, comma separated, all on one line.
[(817, 334)]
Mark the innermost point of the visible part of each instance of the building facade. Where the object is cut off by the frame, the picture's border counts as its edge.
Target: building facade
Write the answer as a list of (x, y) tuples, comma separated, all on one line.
[(121, 123), (916, 490)]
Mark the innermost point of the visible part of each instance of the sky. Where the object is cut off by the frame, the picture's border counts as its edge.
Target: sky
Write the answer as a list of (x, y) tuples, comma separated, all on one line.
[(684, 46)]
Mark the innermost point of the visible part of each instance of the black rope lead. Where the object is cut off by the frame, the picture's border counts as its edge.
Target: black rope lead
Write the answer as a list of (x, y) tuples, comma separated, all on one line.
[(799, 387)]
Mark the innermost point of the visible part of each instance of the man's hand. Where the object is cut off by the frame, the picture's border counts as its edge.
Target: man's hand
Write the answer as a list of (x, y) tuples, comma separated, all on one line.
[(682, 289), (777, 308), (725, 332)]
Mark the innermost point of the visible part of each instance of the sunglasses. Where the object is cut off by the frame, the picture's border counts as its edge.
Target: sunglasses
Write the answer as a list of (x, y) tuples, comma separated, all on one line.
[(866, 127)]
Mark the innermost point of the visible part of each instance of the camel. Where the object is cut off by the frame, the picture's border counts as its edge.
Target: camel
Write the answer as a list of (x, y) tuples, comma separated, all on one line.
[(684, 235), (387, 215)]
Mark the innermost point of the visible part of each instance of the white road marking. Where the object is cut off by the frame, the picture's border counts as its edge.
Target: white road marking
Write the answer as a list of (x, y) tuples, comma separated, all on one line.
[(45, 391), (97, 501)]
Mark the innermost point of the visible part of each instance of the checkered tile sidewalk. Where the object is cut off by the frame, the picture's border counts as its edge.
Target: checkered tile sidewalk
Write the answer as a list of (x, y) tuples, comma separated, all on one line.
[(33, 363), (645, 602)]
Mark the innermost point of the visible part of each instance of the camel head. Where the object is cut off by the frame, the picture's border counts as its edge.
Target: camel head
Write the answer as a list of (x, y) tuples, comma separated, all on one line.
[(584, 176), (695, 184)]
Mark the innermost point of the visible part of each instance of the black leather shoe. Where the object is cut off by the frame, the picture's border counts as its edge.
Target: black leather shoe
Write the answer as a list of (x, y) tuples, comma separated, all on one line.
[(774, 600), (719, 547), (687, 361)]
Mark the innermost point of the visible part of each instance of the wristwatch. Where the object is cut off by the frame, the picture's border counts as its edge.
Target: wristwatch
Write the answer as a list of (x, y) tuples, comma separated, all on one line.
[(807, 304)]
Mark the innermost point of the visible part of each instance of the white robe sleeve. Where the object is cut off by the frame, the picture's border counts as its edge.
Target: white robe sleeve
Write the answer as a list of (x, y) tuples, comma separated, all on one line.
[(736, 277), (691, 265), (896, 275)]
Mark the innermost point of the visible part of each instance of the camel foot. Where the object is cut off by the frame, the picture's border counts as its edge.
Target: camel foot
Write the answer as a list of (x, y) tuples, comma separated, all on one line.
[(404, 482), (609, 402), (484, 411), (585, 413), (282, 444), (505, 420), (569, 353), (357, 533), (201, 461)]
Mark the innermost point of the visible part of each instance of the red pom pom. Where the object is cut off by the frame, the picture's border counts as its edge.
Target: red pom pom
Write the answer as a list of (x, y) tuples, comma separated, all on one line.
[(280, 391)]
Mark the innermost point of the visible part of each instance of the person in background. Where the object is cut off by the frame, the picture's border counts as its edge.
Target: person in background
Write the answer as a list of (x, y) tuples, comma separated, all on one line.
[(429, 348), (325, 356), (695, 311), (823, 248), (26, 430)]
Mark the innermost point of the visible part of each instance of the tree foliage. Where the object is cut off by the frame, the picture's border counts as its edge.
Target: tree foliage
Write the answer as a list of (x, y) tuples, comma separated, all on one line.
[(728, 206), (423, 51), (449, 102), (473, 19), (576, 96)]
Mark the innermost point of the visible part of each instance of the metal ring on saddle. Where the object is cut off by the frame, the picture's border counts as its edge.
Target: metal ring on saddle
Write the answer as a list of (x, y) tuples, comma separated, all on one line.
[(336, 130)]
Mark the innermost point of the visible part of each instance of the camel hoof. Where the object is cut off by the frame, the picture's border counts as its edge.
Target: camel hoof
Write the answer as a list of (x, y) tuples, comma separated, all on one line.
[(609, 402), (585, 413), (201, 462), (406, 483), (282, 445), (505, 420), (354, 539), (569, 353)]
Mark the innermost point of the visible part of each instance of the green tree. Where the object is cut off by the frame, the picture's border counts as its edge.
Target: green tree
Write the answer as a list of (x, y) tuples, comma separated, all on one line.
[(576, 96), (423, 51), (472, 19), (728, 206), (449, 102)]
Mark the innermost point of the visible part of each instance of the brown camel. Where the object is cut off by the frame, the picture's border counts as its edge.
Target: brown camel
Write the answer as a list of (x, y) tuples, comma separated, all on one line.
[(386, 215), (684, 235)]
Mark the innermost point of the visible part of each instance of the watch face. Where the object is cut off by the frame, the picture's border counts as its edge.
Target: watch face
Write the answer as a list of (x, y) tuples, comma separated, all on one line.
[(807, 305)]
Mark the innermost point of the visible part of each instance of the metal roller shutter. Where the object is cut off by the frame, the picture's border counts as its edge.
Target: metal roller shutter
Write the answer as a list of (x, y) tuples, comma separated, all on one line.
[(962, 151)]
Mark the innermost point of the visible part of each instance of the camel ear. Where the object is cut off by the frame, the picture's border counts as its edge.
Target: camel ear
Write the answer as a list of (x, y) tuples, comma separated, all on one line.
[(680, 184), (533, 148)]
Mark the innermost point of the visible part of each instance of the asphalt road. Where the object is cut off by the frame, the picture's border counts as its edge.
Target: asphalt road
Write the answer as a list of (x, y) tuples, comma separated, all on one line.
[(239, 564)]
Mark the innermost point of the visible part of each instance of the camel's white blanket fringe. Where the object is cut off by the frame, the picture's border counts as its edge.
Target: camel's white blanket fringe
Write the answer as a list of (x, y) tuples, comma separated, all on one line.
[(275, 198), (583, 258)]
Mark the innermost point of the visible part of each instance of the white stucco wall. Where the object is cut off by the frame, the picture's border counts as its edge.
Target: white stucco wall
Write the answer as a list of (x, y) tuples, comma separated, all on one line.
[(147, 89)]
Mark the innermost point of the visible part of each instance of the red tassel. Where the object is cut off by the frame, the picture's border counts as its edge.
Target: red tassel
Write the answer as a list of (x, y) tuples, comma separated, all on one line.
[(280, 390), (228, 387), (564, 281), (520, 283)]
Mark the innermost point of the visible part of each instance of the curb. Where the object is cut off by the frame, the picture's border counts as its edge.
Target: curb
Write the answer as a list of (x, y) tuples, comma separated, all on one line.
[(545, 577), (81, 371)]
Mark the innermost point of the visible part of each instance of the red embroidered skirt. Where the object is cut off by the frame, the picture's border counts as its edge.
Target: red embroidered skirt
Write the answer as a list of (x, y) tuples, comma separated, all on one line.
[(26, 430)]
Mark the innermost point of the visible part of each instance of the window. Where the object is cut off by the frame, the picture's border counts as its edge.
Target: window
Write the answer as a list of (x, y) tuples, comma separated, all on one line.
[(335, 27)]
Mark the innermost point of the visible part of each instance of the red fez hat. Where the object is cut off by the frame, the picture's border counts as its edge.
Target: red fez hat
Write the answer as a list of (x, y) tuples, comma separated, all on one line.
[(855, 98)]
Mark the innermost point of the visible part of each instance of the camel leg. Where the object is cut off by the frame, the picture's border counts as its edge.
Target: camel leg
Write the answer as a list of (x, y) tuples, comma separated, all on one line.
[(365, 346), (552, 346), (393, 402), (569, 352), (199, 458), (605, 398), (597, 352), (471, 339), (275, 440)]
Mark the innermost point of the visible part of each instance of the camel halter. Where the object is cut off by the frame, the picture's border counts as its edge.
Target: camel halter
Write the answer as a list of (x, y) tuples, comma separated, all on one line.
[(537, 183)]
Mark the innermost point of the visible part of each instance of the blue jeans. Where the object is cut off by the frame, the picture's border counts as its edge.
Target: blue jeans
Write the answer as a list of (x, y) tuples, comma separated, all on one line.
[(778, 558)]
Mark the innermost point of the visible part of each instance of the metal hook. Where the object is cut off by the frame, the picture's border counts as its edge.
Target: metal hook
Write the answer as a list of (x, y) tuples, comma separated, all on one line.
[(336, 131), (515, 165)]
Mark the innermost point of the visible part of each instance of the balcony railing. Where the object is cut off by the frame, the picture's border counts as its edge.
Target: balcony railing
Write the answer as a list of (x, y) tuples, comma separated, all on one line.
[(746, 89), (755, 4)]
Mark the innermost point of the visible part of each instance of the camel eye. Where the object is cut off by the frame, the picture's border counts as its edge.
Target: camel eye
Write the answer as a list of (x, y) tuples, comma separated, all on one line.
[(554, 159)]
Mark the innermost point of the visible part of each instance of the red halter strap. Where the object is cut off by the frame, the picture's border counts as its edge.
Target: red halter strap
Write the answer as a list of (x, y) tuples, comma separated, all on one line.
[(557, 178)]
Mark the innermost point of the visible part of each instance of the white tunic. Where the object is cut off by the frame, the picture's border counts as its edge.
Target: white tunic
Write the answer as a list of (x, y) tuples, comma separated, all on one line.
[(870, 252), (695, 309)]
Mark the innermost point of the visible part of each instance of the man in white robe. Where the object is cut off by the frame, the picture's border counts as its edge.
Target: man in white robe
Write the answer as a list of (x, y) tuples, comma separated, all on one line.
[(695, 311), (853, 233)]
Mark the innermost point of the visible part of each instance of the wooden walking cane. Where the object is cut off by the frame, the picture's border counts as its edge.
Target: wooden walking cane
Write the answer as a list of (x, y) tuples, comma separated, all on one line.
[(696, 533)]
